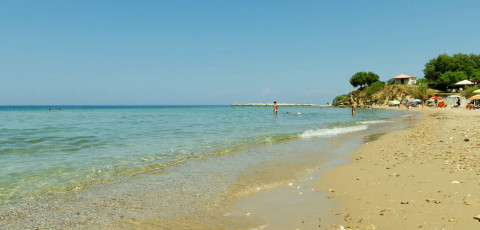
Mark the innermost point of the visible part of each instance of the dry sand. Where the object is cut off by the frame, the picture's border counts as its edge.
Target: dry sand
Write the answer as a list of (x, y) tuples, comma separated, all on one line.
[(425, 177)]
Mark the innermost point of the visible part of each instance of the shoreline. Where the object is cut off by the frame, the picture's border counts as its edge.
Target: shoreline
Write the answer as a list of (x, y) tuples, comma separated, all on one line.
[(200, 194), (305, 203), (423, 177), (279, 104)]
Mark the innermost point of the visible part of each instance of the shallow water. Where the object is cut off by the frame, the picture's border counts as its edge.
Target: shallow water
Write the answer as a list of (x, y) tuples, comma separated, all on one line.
[(45, 152)]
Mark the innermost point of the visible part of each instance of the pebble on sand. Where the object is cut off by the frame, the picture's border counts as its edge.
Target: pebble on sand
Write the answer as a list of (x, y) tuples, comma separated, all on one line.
[(433, 201), (477, 217)]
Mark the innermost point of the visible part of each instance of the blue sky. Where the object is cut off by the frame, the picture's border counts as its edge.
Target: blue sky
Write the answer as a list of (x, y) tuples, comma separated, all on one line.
[(85, 52)]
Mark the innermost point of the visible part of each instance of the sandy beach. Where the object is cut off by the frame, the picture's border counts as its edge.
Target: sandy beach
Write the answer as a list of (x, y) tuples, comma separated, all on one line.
[(422, 177), (425, 177)]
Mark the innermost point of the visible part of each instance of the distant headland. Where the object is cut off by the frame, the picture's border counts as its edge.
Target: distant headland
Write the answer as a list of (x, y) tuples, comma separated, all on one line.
[(279, 104)]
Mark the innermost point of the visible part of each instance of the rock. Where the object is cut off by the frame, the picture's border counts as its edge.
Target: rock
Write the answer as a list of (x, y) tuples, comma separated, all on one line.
[(466, 139), (331, 190), (404, 202), (433, 201), (477, 217)]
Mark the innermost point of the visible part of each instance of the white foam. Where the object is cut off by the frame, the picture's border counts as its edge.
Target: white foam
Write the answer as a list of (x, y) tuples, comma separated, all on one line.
[(373, 122), (260, 227), (332, 132), (259, 188)]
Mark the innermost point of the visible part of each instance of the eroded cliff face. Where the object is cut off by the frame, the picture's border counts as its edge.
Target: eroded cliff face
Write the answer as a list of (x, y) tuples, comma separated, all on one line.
[(382, 97)]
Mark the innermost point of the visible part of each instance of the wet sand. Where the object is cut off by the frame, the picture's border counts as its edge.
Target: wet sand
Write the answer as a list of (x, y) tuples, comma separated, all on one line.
[(275, 194), (205, 193), (425, 177)]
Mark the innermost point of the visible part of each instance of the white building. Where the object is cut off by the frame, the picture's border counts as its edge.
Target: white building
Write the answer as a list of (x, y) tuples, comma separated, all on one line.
[(405, 79)]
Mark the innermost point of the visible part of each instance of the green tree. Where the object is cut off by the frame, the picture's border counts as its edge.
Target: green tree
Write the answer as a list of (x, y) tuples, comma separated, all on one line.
[(363, 78), (372, 78), (445, 70), (422, 81), (357, 79), (450, 78)]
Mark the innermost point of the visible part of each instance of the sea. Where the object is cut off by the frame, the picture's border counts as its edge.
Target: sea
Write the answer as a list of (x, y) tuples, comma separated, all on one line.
[(50, 151)]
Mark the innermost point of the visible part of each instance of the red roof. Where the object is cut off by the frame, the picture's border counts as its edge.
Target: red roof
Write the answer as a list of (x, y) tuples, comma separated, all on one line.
[(403, 76)]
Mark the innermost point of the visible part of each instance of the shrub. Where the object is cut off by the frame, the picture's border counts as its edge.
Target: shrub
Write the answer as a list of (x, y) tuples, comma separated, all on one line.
[(375, 87), (338, 99), (468, 92)]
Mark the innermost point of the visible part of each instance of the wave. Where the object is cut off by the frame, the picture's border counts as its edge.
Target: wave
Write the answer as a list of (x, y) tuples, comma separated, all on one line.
[(373, 122), (332, 132)]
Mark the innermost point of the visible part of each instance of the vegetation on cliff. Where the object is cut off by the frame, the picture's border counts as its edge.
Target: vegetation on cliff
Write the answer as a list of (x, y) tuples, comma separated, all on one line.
[(441, 74), (381, 96)]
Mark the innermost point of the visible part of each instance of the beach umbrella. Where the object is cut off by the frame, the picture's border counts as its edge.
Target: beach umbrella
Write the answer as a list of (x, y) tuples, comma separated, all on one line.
[(435, 97), (476, 97), (476, 91), (395, 102), (464, 82), (417, 100), (453, 96), (429, 100)]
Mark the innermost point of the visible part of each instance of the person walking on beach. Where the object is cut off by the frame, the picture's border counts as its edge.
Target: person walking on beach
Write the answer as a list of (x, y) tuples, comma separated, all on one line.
[(354, 106), (275, 108), (408, 104), (458, 102)]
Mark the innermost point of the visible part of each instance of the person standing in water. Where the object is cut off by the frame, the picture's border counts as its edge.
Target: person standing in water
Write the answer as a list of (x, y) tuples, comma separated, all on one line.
[(275, 107), (354, 106)]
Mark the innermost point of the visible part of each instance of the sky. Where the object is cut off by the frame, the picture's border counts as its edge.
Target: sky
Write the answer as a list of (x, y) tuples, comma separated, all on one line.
[(218, 52)]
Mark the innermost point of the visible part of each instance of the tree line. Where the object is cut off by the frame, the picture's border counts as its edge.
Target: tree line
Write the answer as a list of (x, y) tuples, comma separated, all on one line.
[(444, 71), (440, 73)]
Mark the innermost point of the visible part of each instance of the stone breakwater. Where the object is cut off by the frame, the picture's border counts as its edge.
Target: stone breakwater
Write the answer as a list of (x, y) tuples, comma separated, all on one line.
[(279, 104)]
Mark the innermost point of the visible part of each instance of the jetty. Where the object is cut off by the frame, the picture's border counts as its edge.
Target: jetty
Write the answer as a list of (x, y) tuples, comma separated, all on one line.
[(279, 104)]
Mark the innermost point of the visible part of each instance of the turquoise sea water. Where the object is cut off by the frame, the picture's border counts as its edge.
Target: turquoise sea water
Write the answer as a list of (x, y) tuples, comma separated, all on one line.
[(48, 152)]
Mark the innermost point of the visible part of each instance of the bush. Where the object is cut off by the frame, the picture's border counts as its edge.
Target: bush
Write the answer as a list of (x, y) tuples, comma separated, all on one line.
[(468, 92), (338, 99), (422, 91), (375, 87)]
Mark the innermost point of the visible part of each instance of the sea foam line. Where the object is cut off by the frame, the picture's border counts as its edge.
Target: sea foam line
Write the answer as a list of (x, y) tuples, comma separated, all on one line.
[(373, 122), (332, 132)]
